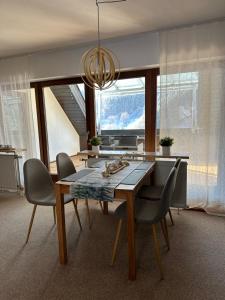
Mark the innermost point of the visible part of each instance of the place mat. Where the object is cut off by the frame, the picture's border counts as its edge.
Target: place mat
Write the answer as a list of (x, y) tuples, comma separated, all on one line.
[(144, 165), (95, 186), (99, 164), (74, 177), (133, 177)]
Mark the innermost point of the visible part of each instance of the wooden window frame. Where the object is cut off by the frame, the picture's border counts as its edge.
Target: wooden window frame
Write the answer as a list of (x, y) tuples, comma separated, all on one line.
[(150, 107)]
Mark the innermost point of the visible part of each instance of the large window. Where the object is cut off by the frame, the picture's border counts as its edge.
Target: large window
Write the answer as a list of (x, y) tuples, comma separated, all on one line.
[(124, 115), (18, 121), (178, 93), (120, 114)]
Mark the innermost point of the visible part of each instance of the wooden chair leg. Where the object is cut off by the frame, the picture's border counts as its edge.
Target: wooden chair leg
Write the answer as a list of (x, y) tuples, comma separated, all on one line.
[(54, 214), (166, 229), (157, 250), (178, 211), (115, 245), (31, 222), (165, 234), (100, 202), (88, 213), (105, 208), (171, 217), (77, 213)]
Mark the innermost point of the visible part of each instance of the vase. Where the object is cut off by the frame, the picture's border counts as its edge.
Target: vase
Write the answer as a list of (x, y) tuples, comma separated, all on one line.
[(95, 148), (166, 150)]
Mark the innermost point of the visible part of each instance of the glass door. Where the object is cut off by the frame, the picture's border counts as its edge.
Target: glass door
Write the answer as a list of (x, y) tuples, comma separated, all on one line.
[(120, 115)]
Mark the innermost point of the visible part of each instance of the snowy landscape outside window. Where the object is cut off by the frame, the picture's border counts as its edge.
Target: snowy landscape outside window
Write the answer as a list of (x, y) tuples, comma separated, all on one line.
[(120, 114)]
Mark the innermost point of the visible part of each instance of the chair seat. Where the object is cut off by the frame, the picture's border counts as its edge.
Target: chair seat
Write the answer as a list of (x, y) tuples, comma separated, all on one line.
[(150, 192), (50, 200), (148, 211), (145, 211)]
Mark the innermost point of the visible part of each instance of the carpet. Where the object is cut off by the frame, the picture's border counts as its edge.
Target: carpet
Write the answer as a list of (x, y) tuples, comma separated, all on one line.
[(194, 268)]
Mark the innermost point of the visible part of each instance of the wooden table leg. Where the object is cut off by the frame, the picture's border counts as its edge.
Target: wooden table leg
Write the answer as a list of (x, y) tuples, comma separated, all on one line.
[(60, 211), (131, 236), (105, 208)]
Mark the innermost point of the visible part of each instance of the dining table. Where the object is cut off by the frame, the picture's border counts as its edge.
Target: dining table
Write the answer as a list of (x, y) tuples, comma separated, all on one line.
[(123, 186)]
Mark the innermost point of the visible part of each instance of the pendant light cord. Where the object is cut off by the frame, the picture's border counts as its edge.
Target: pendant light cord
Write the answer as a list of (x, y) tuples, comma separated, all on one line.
[(97, 4)]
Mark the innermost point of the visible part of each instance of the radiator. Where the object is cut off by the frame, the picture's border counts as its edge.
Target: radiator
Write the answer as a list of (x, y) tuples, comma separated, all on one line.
[(9, 172)]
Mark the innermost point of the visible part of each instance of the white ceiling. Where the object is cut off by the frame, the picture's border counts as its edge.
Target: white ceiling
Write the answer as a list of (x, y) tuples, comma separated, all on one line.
[(33, 25)]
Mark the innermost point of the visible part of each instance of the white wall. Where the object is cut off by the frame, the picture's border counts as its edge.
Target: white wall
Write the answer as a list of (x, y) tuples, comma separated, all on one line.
[(62, 136), (134, 52)]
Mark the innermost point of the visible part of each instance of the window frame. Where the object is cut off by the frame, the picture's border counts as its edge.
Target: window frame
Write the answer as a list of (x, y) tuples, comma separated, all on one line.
[(150, 76)]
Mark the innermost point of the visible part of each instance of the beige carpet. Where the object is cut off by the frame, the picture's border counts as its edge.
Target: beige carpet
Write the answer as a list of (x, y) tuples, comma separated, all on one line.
[(194, 268)]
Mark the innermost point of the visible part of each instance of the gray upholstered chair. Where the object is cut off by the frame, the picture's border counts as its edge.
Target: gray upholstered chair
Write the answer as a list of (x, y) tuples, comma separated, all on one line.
[(151, 213), (39, 189), (153, 192), (65, 167)]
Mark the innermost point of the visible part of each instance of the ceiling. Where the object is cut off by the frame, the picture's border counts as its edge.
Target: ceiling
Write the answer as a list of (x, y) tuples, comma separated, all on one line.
[(33, 25)]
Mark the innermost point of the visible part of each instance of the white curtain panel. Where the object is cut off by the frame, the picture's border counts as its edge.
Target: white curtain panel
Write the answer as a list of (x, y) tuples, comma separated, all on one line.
[(192, 107), (16, 114)]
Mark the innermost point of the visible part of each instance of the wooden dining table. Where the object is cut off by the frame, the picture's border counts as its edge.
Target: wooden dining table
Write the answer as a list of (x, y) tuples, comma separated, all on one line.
[(125, 192)]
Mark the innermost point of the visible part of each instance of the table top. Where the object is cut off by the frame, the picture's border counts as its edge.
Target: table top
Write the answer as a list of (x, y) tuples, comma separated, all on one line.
[(120, 187), (132, 153)]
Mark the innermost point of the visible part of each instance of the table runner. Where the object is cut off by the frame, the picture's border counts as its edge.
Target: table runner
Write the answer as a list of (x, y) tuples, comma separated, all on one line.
[(133, 177), (95, 186), (74, 177)]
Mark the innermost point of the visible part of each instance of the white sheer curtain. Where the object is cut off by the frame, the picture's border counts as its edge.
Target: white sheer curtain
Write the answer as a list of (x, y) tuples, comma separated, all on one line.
[(16, 113), (192, 107)]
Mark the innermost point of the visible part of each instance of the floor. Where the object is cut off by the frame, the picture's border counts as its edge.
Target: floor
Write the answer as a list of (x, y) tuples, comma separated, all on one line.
[(194, 267)]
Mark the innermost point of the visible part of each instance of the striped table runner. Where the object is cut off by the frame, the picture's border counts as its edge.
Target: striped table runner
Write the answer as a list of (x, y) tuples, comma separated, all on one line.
[(95, 186)]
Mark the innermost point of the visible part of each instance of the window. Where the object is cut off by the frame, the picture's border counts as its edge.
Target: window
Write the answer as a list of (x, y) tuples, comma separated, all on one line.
[(179, 94), (120, 114)]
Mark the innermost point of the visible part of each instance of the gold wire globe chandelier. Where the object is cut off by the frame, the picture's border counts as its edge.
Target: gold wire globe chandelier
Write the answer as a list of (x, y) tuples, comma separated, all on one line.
[(100, 64)]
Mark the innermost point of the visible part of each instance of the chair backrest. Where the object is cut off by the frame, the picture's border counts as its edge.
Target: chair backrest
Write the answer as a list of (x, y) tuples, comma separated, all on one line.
[(176, 166), (167, 194), (65, 166), (37, 181), (177, 163)]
